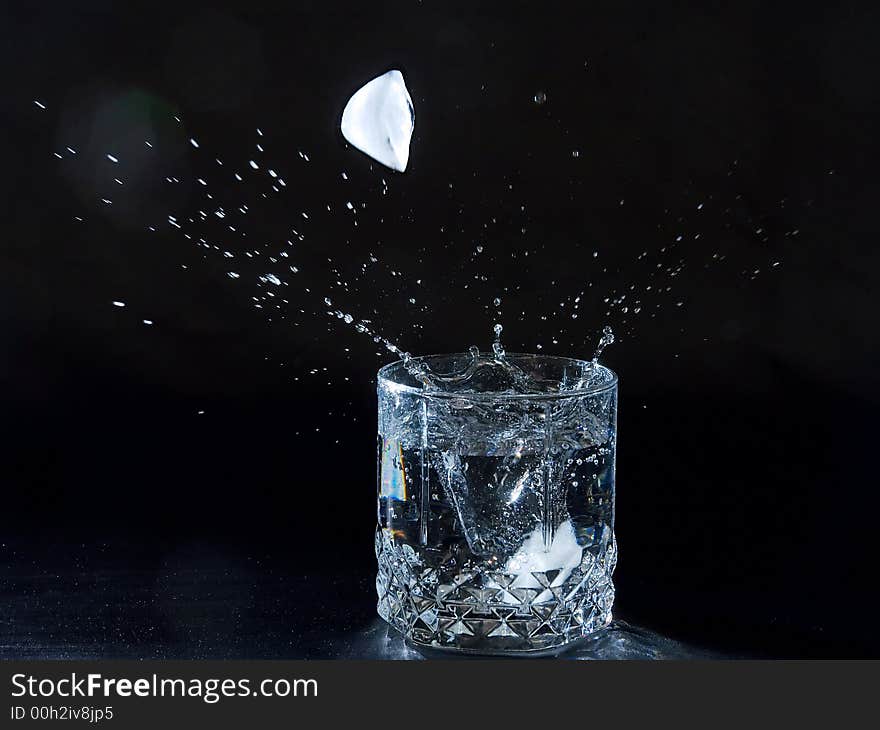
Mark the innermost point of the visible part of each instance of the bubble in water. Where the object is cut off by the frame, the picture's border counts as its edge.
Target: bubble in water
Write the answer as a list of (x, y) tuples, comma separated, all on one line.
[(497, 301), (539, 98), (575, 153)]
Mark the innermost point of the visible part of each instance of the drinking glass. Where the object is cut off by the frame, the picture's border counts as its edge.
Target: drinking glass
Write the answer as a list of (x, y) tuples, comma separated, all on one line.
[(496, 501)]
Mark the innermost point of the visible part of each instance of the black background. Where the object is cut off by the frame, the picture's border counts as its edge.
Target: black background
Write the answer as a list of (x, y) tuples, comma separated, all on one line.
[(192, 488)]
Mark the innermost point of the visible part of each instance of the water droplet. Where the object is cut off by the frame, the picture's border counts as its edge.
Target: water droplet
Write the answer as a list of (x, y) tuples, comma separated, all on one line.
[(497, 347), (606, 339)]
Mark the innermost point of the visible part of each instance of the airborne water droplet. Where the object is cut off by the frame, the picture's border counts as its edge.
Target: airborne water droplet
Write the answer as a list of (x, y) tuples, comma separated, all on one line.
[(497, 347), (606, 339)]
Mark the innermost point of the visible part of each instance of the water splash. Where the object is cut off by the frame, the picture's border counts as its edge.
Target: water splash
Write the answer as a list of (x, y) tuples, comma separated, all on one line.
[(606, 339), (625, 300), (497, 347), (494, 372)]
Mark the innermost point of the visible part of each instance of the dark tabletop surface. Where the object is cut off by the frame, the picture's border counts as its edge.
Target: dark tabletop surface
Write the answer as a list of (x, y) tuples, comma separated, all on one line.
[(101, 601)]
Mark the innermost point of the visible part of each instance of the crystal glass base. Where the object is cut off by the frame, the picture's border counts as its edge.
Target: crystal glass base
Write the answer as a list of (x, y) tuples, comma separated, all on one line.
[(446, 600)]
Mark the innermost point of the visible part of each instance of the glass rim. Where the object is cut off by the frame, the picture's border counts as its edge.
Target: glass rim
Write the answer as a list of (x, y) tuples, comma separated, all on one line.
[(398, 387)]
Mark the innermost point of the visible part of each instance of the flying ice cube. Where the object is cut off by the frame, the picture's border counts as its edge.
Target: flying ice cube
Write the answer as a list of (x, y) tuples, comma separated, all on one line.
[(379, 120)]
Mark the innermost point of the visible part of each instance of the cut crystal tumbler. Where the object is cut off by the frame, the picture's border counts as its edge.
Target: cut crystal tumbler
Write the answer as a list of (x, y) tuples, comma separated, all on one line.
[(496, 501)]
